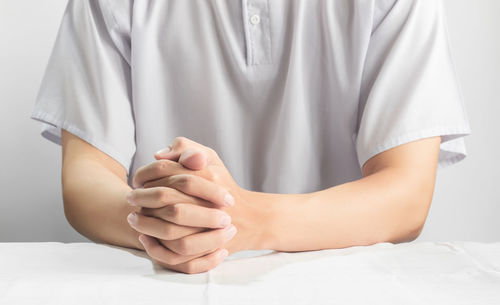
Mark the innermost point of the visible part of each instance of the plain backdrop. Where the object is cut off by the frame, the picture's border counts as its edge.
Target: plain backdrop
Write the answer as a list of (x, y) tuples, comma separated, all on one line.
[(466, 203)]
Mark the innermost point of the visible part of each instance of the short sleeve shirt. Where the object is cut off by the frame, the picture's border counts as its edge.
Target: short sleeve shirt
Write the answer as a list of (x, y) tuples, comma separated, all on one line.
[(294, 95)]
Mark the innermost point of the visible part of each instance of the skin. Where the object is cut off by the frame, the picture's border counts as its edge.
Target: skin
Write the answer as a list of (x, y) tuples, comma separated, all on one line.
[(178, 204)]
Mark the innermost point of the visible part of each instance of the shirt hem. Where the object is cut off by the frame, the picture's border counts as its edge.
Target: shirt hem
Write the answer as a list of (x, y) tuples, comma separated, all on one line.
[(52, 132), (447, 134)]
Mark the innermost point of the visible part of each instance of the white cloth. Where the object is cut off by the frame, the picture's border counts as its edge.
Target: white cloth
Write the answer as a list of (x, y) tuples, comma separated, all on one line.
[(409, 273), (294, 95)]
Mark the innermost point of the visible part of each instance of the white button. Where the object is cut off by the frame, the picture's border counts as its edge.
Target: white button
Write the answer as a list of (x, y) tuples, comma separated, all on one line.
[(255, 19)]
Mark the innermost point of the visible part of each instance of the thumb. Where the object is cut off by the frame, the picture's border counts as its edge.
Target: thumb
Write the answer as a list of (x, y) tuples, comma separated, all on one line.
[(190, 158)]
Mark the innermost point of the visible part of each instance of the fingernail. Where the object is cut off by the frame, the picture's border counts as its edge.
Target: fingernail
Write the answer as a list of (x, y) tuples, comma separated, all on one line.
[(223, 253), (129, 198), (132, 219), (228, 199), (225, 220), (142, 239), (163, 152), (230, 232)]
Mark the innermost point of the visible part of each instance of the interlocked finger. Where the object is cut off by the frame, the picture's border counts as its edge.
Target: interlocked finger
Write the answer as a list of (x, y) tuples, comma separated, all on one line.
[(201, 242), (159, 228), (195, 186), (160, 196), (186, 214), (169, 258)]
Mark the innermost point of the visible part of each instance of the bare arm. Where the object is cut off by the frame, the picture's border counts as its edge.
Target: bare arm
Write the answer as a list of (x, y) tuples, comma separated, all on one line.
[(389, 204), (94, 193)]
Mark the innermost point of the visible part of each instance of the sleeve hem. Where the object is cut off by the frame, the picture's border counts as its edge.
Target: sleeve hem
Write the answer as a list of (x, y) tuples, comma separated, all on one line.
[(52, 132), (447, 156)]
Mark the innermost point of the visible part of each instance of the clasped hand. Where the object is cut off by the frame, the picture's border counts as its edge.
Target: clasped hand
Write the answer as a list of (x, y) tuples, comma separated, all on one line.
[(191, 209)]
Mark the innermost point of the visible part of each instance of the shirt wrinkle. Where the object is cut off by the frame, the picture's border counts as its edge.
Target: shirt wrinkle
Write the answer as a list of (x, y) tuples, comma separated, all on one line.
[(294, 95)]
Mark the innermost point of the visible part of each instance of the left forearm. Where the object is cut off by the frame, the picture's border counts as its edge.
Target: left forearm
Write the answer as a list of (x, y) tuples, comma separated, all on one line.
[(384, 207)]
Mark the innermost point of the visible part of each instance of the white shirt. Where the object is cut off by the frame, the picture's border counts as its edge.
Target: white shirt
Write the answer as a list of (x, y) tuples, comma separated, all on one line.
[(294, 95)]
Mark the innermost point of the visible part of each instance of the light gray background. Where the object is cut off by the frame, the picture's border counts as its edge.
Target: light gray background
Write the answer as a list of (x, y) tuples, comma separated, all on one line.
[(466, 203)]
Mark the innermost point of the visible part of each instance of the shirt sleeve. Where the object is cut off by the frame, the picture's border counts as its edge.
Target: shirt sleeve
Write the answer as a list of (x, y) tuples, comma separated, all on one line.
[(409, 88), (86, 88)]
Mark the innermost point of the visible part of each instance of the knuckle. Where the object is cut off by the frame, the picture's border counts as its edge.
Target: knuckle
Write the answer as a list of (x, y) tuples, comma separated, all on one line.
[(162, 195), (159, 166), (169, 211), (215, 176), (185, 182), (183, 246), (209, 175), (175, 211)]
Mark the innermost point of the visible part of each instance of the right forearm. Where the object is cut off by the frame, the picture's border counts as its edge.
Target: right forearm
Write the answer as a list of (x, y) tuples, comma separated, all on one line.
[(95, 204)]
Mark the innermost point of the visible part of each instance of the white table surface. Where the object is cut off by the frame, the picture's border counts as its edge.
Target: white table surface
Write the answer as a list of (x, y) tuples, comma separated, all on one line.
[(384, 273)]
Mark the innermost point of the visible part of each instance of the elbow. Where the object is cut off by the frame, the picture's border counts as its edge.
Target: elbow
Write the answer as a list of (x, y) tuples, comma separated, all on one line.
[(68, 198), (414, 233), (416, 200), (67, 204), (404, 234), (72, 212), (69, 211), (418, 209), (76, 218), (412, 219)]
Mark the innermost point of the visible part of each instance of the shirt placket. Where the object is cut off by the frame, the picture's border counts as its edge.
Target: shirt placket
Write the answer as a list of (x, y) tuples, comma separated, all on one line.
[(257, 31)]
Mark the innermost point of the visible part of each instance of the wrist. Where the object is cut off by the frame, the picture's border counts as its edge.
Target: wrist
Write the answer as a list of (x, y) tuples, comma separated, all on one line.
[(275, 219), (262, 217)]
